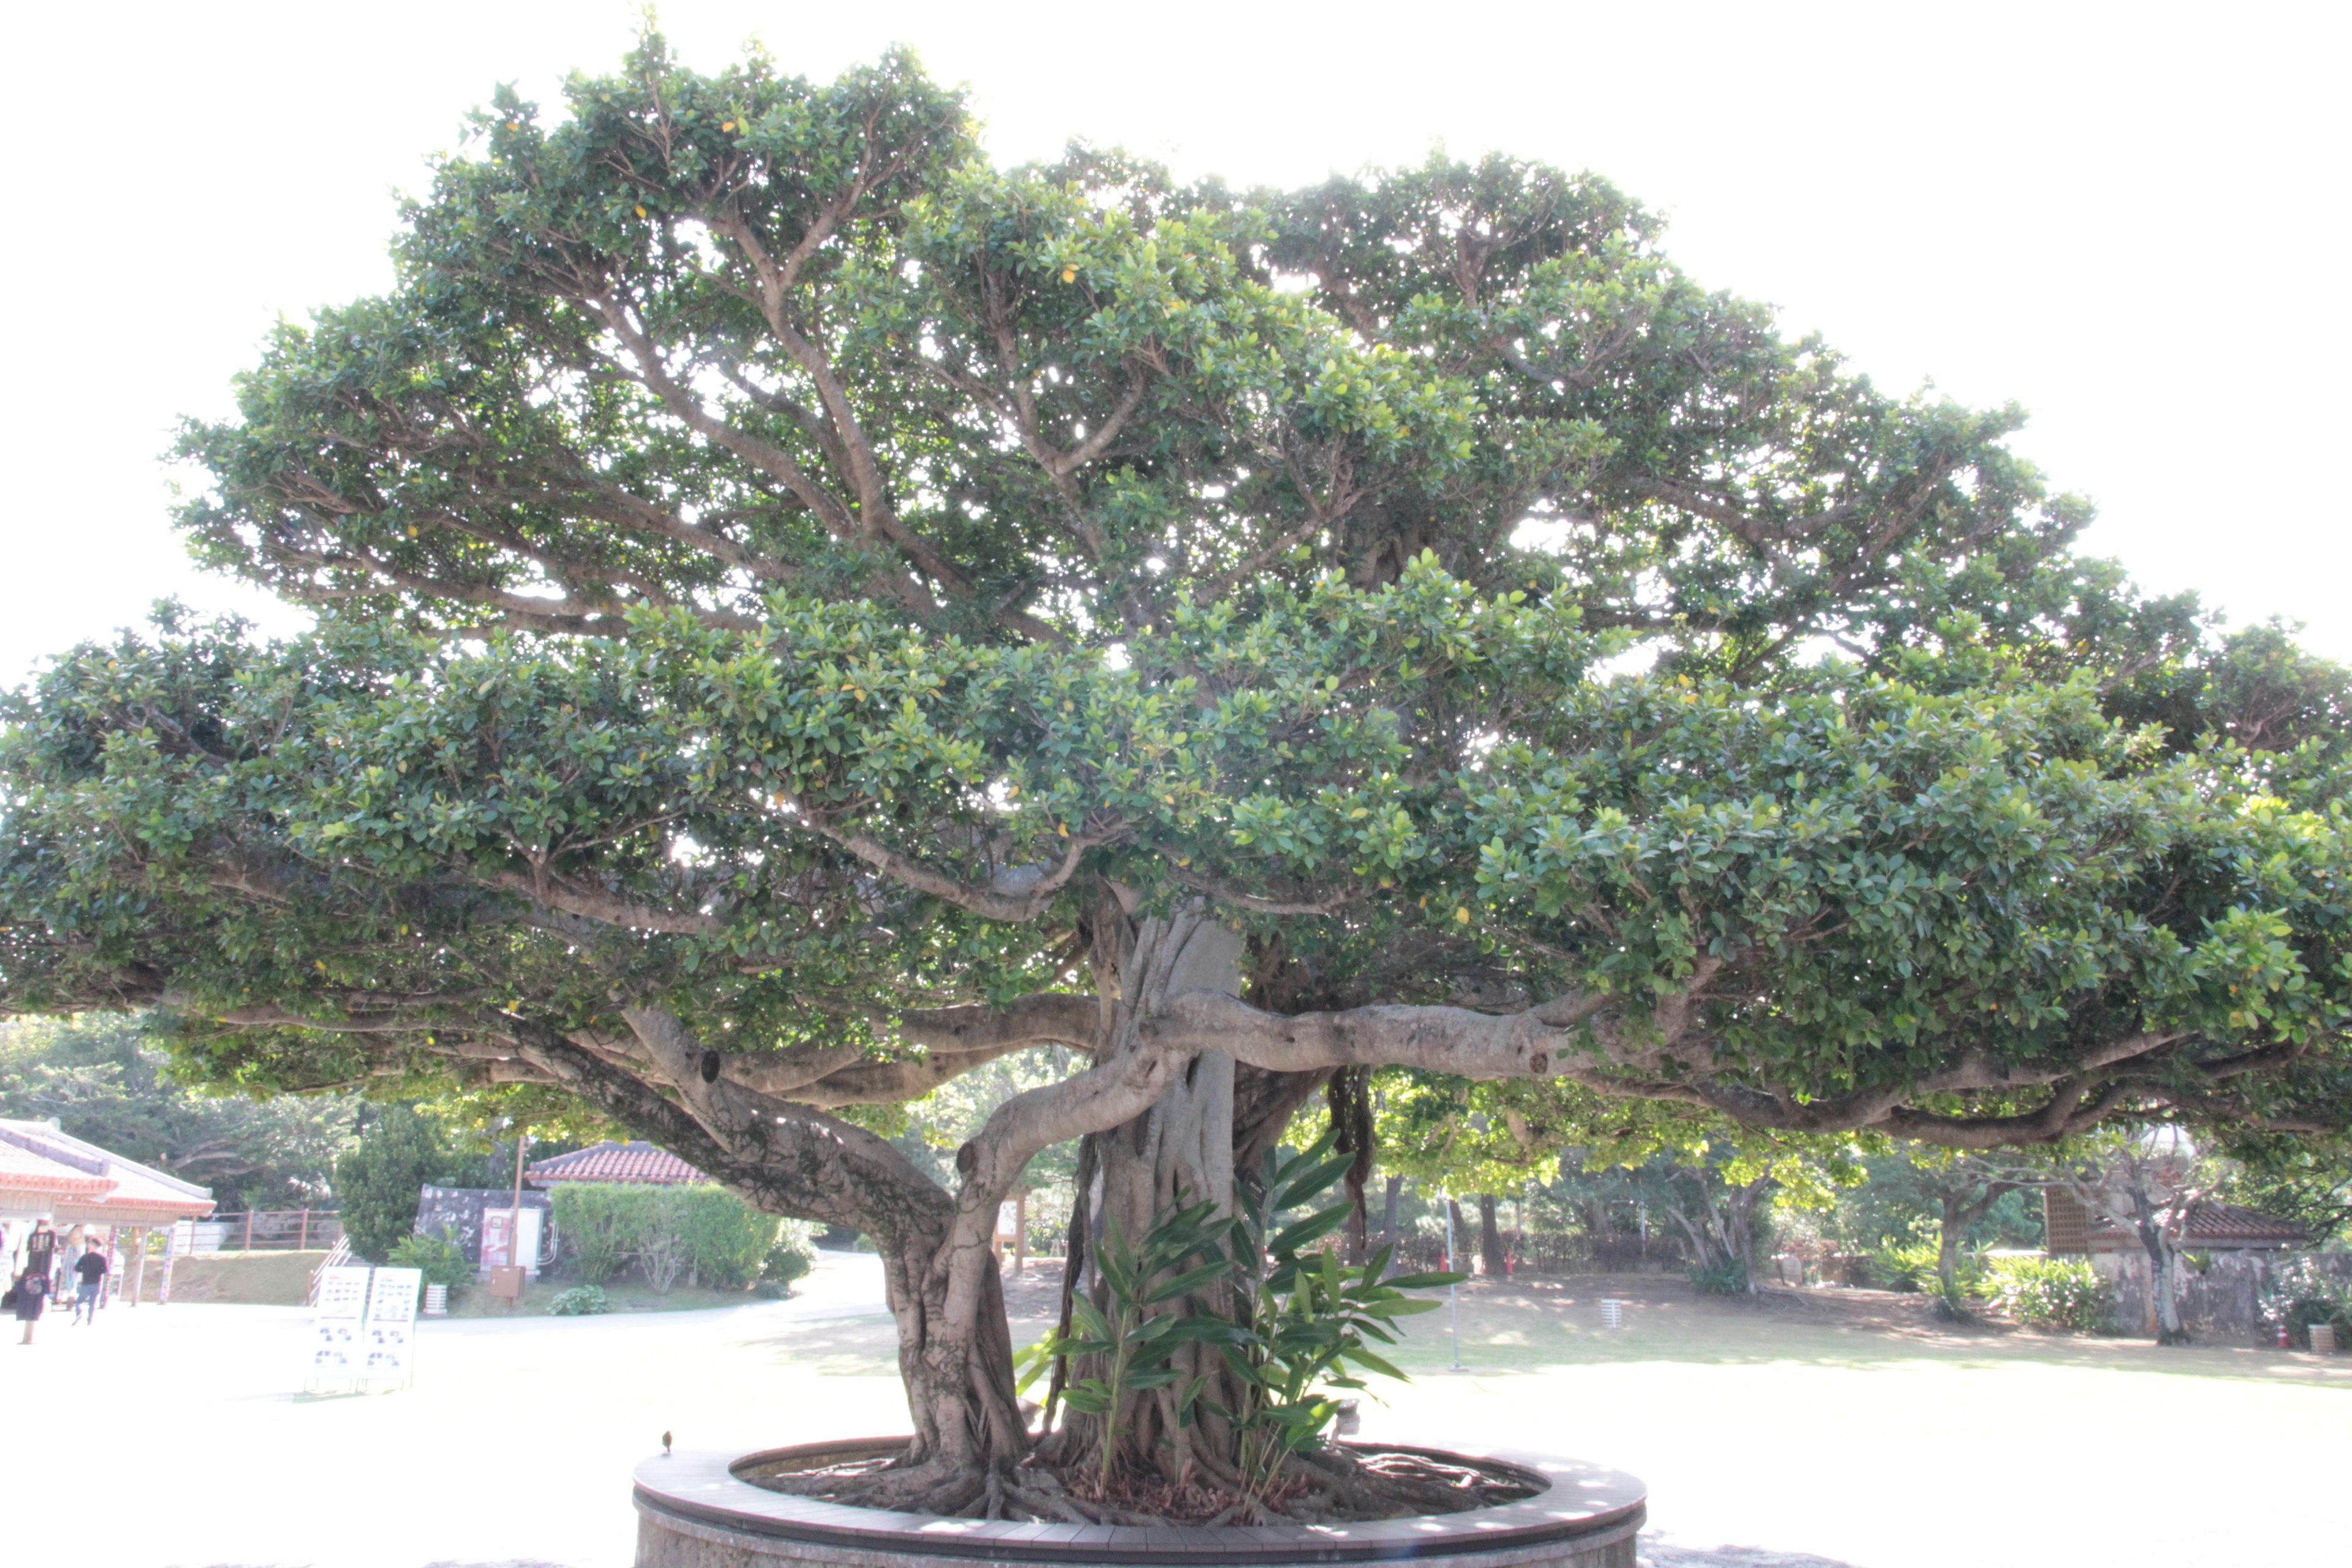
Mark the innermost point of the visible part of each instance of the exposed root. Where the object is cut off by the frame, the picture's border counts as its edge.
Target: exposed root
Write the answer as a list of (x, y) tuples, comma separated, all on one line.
[(1331, 1486)]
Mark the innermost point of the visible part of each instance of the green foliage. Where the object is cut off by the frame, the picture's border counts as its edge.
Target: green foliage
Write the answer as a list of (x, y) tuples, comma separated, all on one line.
[(665, 1231), (1724, 1277), (2296, 1177), (2302, 1295), (753, 532), (1294, 1337), (1911, 1265), (1134, 1343), (107, 1079), (2064, 1293), (580, 1301), (790, 1258), (598, 1225), (379, 1180), (727, 1240), (441, 1258), (1301, 1322)]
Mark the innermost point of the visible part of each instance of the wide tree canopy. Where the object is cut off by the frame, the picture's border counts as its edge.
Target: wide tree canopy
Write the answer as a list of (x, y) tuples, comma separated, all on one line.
[(804, 611)]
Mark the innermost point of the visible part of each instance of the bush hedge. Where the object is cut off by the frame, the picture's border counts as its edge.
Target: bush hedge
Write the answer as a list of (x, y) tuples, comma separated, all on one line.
[(703, 1232), (2063, 1293)]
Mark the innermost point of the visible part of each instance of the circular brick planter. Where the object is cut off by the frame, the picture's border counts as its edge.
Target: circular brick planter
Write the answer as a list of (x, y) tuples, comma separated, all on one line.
[(695, 1510)]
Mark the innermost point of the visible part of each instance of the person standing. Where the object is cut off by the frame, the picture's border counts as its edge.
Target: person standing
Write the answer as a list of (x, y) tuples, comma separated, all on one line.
[(41, 1255), (91, 1267), (32, 1294)]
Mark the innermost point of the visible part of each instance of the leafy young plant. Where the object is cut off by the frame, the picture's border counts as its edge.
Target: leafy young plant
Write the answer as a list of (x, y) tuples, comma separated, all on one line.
[(1135, 1343), (1302, 1319), (580, 1301), (440, 1258), (1722, 1279)]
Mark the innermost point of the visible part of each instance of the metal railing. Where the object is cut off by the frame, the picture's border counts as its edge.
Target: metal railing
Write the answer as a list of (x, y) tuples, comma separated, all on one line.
[(337, 1256)]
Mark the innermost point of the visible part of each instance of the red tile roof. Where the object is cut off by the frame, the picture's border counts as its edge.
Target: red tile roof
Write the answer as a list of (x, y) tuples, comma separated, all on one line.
[(639, 1163), (2212, 1223)]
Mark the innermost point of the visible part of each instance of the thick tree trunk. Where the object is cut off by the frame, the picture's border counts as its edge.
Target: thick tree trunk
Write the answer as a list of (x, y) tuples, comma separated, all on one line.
[(2163, 1273), (1491, 1261), (1948, 1249), (957, 1367), (1215, 1121)]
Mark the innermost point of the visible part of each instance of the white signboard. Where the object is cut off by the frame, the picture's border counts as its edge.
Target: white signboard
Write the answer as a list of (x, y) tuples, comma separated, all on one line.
[(335, 1350), (391, 1327), (362, 1331)]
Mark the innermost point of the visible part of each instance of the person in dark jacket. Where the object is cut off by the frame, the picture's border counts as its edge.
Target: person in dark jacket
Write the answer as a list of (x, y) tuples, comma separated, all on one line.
[(91, 1267)]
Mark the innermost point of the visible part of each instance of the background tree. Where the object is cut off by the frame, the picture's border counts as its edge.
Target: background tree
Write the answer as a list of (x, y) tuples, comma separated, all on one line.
[(398, 1152), (108, 1079), (805, 612), (2150, 1180)]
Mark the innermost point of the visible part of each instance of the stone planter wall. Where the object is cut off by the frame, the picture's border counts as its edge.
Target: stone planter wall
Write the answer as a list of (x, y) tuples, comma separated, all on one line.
[(695, 1512)]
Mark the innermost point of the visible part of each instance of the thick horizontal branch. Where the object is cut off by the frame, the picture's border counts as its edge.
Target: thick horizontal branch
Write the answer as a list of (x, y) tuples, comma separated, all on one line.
[(1047, 1018)]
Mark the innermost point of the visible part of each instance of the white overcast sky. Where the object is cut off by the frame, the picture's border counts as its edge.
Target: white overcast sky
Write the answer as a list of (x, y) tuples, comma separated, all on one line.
[(2129, 218)]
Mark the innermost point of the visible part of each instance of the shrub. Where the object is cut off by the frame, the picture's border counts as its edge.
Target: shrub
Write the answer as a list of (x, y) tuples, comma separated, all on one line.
[(792, 1255), (580, 1301), (1904, 1265), (600, 1225), (727, 1240), (441, 1258), (2303, 1296), (703, 1232), (1727, 1278), (1912, 1266), (2064, 1293)]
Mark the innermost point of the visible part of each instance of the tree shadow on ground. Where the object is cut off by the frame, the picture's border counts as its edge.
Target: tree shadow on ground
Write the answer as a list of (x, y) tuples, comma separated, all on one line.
[(1525, 1324)]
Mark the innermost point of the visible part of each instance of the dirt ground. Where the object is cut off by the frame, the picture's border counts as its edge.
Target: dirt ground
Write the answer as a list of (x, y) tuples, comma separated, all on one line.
[(1822, 1430)]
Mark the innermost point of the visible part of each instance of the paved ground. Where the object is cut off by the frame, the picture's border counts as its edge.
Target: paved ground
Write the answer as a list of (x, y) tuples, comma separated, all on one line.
[(1777, 1438)]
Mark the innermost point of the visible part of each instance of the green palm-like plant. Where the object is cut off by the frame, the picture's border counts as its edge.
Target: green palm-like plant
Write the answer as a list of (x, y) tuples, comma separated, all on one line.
[(1136, 1343), (1302, 1320)]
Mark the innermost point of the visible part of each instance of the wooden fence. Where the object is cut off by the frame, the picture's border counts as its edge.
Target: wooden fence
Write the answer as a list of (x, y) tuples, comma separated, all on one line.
[(279, 1230)]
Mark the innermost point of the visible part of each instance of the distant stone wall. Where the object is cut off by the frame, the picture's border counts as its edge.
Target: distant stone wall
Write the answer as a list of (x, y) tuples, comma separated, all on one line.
[(2221, 1303)]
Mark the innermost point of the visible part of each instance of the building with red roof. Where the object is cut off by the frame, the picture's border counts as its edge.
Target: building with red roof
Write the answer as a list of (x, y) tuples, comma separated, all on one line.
[(640, 1163)]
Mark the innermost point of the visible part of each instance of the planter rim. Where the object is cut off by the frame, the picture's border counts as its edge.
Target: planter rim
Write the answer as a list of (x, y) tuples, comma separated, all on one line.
[(1579, 1500)]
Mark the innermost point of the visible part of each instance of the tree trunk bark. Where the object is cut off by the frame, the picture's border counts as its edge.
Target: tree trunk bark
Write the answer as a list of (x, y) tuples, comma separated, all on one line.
[(1388, 1212), (1948, 1251), (1490, 1241), (1215, 1121)]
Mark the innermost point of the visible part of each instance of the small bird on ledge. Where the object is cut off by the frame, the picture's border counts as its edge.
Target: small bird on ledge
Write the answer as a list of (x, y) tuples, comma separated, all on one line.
[(665, 1445)]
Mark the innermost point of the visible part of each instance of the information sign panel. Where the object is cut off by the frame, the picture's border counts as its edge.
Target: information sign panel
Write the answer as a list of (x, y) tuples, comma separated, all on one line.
[(336, 1350), (391, 1329)]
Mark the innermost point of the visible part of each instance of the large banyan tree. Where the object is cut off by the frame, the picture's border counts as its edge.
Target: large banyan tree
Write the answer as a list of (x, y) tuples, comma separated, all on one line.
[(803, 612)]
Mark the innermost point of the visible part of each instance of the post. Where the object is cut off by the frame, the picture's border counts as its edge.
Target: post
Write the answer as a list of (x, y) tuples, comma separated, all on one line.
[(138, 1264), (302, 1241), (1453, 1292), (514, 1223), (248, 1230)]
